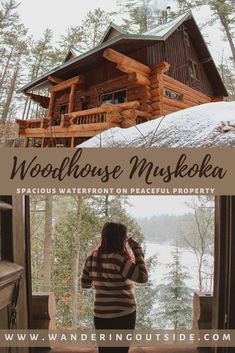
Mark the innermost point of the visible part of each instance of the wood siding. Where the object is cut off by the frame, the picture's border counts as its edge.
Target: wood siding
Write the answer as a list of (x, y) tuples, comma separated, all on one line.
[(177, 52), (203, 84)]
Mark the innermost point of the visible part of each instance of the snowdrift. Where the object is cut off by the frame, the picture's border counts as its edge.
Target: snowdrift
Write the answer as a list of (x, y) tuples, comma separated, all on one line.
[(207, 125)]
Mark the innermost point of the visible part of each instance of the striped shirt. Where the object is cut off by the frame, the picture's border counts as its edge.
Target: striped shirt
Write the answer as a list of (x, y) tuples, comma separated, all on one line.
[(113, 280)]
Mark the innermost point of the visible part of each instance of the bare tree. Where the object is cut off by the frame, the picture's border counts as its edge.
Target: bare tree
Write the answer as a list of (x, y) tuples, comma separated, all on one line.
[(48, 244), (75, 260), (198, 236)]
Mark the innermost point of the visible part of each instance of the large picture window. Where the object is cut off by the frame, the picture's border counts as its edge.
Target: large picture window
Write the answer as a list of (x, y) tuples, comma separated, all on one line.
[(114, 97)]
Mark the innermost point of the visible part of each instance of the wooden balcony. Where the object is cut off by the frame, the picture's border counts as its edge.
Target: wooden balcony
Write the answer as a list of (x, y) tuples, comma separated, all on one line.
[(83, 124)]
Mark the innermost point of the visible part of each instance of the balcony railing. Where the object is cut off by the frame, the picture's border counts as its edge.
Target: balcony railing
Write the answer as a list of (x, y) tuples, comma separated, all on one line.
[(84, 123)]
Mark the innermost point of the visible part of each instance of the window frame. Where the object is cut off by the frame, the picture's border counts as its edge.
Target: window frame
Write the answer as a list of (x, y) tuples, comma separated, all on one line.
[(63, 105), (181, 96), (113, 93), (193, 69)]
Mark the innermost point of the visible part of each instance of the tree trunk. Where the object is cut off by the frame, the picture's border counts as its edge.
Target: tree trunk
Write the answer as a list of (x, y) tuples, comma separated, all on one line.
[(106, 205), (75, 263), (10, 93), (6, 68), (25, 108), (200, 274), (48, 244), (28, 110), (228, 34)]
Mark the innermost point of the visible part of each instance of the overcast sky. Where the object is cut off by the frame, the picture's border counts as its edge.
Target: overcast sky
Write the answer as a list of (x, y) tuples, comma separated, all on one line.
[(60, 14), (146, 206)]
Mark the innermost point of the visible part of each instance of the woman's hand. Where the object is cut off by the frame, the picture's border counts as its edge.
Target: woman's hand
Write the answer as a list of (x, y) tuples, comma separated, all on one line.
[(133, 244)]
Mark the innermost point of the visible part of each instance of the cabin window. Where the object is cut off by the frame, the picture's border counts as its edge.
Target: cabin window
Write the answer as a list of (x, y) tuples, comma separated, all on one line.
[(85, 103), (186, 39), (173, 95), (114, 97), (193, 69), (63, 109)]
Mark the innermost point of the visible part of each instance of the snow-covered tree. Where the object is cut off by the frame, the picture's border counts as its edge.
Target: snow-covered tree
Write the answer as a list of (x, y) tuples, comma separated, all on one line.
[(174, 297), (142, 15), (94, 26)]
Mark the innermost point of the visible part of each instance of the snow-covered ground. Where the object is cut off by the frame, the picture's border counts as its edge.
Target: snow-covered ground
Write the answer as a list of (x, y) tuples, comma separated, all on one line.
[(188, 260), (206, 125)]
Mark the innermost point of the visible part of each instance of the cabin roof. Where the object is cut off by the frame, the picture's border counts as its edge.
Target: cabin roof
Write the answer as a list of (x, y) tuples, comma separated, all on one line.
[(166, 29), (112, 27), (72, 53), (127, 42)]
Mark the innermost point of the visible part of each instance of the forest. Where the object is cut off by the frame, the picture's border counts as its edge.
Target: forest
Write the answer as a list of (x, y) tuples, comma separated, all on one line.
[(23, 58), (64, 229)]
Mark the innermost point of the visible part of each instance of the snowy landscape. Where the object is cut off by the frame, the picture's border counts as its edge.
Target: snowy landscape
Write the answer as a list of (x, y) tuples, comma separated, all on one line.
[(163, 252), (206, 125)]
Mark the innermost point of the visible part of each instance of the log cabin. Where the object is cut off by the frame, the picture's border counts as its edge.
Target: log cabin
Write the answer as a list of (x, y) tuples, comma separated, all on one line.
[(33, 309), (126, 80)]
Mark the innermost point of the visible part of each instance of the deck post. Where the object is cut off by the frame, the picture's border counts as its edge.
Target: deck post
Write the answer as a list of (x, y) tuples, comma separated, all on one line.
[(72, 98)]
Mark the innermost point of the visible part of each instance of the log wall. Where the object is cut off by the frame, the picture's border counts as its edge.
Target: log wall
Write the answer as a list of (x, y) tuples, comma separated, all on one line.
[(60, 99), (135, 92), (161, 104)]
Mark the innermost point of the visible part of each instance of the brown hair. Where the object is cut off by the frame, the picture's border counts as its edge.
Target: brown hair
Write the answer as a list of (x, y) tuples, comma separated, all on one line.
[(114, 239)]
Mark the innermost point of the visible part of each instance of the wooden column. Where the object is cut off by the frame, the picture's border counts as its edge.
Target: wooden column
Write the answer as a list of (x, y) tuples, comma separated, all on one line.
[(157, 87), (72, 142), (26, 142), (51, 104), (72, 98)]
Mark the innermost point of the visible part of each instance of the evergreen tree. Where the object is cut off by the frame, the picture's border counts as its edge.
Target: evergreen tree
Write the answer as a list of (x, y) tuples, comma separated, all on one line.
[(197, 233), (227, 72), (94, 26), (174, 297), (8, 15), (77, 231), (147, 297), (13, 49), (222, 11), (73, 39), (142, 15), (42, 58)]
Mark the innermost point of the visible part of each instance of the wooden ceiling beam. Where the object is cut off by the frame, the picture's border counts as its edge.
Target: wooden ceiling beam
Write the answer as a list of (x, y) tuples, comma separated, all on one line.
[(123, 60), (54, 79), (68, 83), (160, 68), (41, 100), (129, 70), (139, 79)]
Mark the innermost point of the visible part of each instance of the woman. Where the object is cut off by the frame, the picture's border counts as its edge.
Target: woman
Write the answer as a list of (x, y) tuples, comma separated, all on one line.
[(111, 270)]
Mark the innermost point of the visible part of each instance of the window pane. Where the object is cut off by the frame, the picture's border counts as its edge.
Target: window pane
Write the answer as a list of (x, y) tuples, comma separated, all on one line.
[(64, 109), (107, 98), (120, 97)]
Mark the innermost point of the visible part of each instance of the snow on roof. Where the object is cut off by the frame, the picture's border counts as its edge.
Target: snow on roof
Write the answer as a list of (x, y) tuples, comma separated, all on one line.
[(112, 26), (206, 125), (164, 29)]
